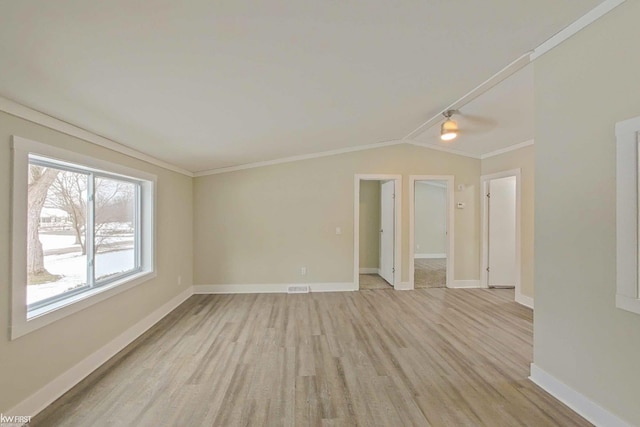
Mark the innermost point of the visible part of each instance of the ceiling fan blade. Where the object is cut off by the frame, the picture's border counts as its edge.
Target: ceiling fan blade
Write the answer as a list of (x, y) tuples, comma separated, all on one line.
[(470, 123)]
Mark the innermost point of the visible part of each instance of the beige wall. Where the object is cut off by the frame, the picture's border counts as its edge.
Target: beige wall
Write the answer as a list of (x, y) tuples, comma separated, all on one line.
[(369, 224), (430, 219), (31, 361), (523, 159), (582, 88), (261, 225)]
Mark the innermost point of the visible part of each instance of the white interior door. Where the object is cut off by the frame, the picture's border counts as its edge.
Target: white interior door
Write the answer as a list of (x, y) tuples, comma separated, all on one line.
[(502, 232), (387, 231)]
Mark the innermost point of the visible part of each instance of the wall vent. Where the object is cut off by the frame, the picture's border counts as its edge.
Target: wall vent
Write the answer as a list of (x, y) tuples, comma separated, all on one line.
[(298, 289)]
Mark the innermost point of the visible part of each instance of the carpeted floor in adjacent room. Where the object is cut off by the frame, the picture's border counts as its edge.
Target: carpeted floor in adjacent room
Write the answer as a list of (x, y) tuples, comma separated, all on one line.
[(430, 273)]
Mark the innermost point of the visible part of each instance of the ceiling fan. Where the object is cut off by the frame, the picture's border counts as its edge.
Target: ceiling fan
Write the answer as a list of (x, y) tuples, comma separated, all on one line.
[(449, 130)]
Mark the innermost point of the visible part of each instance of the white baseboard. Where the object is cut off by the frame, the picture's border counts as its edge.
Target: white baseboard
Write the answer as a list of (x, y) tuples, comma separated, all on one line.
[(524, 300), (272, 288), (462, 284), (367, 270), (403, 286), (581, 404), (333, 287), (429, 256), (42, 398)]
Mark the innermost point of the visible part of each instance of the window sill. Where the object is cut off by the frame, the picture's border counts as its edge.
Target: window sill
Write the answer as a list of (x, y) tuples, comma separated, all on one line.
[(48, 314), (627, 303)]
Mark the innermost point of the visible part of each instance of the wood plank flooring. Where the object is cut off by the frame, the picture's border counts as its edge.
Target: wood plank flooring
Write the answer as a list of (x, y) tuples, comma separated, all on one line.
[(428, 357)]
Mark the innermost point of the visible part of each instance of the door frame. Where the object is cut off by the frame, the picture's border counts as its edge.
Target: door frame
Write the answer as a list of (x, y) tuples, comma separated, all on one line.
[(484, 218), (450, 179), (397, 256)]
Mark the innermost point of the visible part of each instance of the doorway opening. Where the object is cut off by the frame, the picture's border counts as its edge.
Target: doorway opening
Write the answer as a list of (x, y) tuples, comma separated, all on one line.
[(501, 230), (376, 231), (431, 231)]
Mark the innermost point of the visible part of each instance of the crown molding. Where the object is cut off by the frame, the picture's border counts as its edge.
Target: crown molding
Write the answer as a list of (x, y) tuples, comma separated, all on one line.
[(474, 93), (507, 149), (300, 157), (521, 62), (18, 110), (586, 20), (13, 108)]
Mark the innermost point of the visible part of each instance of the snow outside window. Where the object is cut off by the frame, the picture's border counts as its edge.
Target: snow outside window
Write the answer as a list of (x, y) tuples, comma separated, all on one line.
[(82, 227)]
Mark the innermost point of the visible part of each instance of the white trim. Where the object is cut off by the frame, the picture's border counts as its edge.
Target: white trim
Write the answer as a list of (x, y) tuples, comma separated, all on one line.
[(298, 158), (429, 256), (507, 149), (272, 288), (575, 400), (492, 81), (20, 323), (333, 287), (64, 382), (398, 224), (449, 255), (15, 109), (21, 111), (443, 149), (627, 215), (403, 286), (433, 184), (368, 270), (524, 300), (519, 64), (484, 218), (573, 28), (465, 284)]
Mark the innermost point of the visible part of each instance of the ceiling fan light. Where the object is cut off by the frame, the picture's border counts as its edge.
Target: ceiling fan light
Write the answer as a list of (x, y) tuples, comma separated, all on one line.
[(448, 130)]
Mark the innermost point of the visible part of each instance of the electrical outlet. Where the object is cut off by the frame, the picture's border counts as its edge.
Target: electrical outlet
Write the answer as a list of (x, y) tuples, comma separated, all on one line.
[(303, 271), (179, 280)]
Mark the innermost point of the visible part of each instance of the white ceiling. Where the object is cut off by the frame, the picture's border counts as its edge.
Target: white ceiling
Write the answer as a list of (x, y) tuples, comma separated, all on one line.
[(499, 118), (204, 85)]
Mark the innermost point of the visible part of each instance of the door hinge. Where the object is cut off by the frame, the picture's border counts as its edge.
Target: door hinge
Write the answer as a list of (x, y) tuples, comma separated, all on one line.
[(394, 195), (487, 269), (488, 195), (393, 270)]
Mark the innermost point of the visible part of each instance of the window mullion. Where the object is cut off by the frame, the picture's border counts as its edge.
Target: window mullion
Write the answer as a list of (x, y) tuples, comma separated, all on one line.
[(90, 232), (138, 227)]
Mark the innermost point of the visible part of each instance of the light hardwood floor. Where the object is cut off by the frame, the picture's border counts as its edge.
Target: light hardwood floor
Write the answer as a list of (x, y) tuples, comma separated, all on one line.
[(428, 357)]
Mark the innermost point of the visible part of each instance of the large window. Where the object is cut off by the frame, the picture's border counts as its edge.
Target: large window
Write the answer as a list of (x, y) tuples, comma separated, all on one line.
[(82, 227)]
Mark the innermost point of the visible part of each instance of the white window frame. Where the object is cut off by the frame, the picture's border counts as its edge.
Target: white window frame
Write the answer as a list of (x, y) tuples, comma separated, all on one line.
[(627, 215), (23, 320)]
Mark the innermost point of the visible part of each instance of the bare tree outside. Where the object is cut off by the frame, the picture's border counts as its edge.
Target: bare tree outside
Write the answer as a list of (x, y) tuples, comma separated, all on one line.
[(112, 204), (68, 192), (57, 230), (114, 213), (115, 217), (40, 179)]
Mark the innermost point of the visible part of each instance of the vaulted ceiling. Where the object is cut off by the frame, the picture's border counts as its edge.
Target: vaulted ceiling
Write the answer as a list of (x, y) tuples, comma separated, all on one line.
[(208, 84)]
